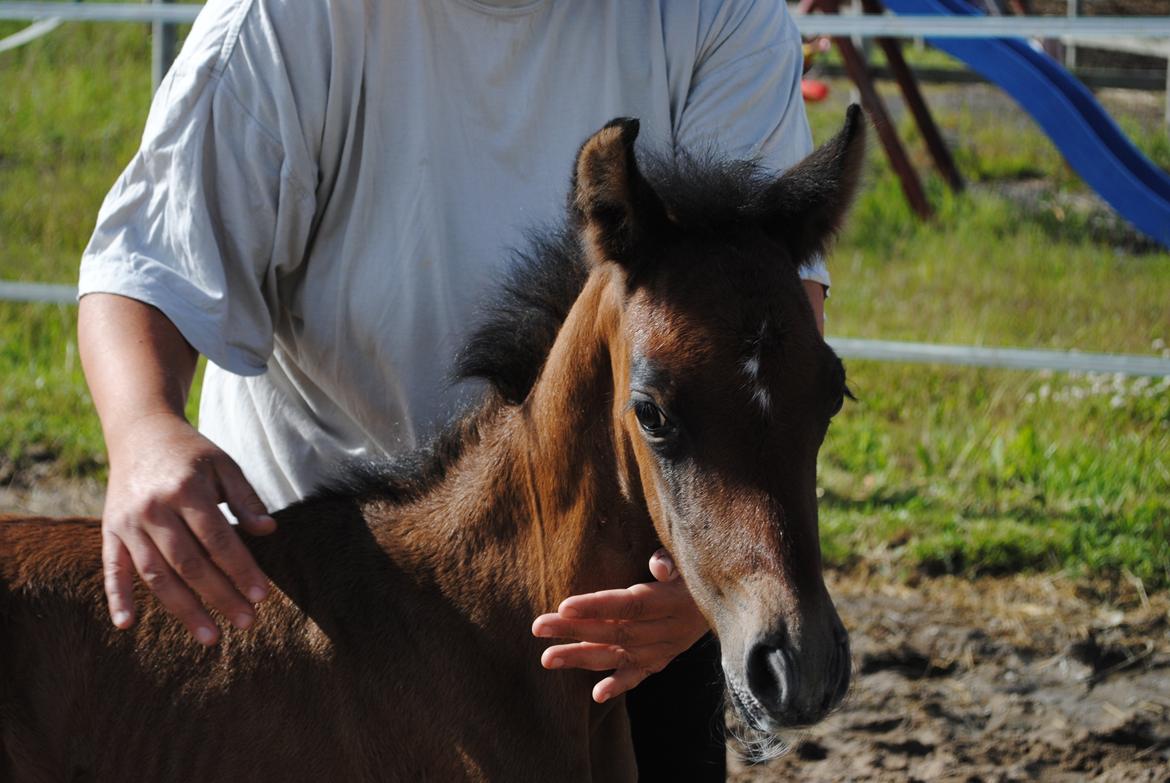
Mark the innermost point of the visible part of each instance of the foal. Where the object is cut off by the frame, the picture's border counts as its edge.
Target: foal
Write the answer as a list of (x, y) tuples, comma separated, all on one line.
[(657, 379)]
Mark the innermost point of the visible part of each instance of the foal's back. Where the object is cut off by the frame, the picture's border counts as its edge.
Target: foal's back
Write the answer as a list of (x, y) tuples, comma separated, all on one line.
[(328, 685)]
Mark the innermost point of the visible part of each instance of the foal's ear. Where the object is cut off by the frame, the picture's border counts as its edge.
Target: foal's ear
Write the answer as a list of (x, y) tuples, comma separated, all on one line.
[(614, 207), (806, 205)]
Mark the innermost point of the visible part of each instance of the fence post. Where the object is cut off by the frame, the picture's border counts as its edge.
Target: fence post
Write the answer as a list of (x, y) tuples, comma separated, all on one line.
[(163, 34), (1075, 9)]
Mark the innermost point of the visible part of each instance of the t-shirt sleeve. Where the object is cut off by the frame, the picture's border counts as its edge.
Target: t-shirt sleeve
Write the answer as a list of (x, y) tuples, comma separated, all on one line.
[(215, 209), (745, 91)]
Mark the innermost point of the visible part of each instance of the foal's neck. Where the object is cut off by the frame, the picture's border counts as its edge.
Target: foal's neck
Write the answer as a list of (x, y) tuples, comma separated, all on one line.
[(534, 512), (592, 533)]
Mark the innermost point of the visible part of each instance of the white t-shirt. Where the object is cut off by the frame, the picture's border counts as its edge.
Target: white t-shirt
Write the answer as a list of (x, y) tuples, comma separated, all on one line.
[(326, 189)]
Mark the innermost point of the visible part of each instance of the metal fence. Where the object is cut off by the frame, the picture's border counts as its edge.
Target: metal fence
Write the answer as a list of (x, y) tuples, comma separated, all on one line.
[(864, 26), (163, 15)]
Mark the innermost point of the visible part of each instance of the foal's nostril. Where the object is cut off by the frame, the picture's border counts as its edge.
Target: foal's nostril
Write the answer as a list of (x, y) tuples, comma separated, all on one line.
[(771, 676)]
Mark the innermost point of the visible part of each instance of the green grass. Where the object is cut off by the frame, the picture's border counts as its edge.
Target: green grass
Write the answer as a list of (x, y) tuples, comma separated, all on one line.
[(73, 105), (955, 470), (932, 470)]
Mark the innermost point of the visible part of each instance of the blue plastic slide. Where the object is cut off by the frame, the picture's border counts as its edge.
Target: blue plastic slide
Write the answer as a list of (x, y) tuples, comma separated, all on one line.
[(1084, 133)]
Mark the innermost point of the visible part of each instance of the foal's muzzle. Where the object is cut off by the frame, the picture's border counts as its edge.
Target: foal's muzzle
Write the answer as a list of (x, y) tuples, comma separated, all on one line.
[(796, 689)]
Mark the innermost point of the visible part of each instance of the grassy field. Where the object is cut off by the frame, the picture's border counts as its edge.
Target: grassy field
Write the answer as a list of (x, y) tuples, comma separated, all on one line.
[(932, 470)]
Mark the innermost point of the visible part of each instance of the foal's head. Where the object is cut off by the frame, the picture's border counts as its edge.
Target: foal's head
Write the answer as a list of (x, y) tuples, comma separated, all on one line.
[(723, 390)]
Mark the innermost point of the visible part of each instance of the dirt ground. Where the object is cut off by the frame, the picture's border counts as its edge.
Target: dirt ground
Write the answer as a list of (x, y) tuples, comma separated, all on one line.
[(1016, 679), (51, 497), (1027, 678)]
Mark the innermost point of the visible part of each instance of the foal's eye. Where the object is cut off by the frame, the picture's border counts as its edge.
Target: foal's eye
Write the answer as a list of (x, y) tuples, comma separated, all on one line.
[(651, 417)]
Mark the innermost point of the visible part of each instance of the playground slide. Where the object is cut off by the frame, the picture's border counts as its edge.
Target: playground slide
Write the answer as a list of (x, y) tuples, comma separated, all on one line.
[(1065, 109)]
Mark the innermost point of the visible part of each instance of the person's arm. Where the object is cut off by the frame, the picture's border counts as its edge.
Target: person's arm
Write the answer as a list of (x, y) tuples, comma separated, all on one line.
[(166, 480)]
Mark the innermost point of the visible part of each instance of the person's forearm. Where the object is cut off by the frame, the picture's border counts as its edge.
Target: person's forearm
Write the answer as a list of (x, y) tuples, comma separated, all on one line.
[(161, 516), (136, 361)]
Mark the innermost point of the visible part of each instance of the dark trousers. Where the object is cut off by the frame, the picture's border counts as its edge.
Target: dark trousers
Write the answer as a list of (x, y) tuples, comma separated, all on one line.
[(676, 717)]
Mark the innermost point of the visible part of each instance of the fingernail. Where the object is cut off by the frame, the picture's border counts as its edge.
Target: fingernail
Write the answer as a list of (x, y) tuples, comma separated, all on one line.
[(666, 560), (256, 594), (556, 663), (541, 632), (570, 613), (602, 698), (121, 618), (205, 635), (242, 621), (265, 518)]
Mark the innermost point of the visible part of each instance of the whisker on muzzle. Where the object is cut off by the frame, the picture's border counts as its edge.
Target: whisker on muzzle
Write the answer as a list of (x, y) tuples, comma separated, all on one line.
[(754, 746)]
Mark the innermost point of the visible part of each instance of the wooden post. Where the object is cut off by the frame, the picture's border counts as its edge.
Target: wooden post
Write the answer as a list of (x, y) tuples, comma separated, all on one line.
[(917, 105), (875, 107), (163, 54), (858, 71)]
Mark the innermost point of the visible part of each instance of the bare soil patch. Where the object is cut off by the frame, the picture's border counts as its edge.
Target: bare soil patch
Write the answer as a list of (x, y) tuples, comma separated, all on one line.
[(53, 497), (1019, 679)]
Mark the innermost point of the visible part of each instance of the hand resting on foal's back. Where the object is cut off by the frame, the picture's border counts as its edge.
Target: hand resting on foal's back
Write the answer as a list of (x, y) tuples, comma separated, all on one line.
[(661, 353)]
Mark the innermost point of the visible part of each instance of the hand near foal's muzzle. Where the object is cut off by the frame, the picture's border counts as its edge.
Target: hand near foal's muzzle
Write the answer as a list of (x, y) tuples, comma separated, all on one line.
[(634, 632)]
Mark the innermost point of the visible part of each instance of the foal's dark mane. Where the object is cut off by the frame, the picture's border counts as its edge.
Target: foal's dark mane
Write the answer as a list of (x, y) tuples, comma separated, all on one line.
[(704, 196)]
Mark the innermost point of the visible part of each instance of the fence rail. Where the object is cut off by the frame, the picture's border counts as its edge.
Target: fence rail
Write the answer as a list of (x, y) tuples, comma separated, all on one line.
[(1005, 358), (48, 293), (100, 12), (29, 34), (864, 26), (847, 347)]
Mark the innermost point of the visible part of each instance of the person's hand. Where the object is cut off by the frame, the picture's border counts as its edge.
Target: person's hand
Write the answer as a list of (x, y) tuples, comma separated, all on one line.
[(635, 631), (161, 519)]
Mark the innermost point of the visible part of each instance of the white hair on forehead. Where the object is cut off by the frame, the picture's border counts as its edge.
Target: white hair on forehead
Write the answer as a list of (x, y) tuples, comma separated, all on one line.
[(762, 397), (752, 367)]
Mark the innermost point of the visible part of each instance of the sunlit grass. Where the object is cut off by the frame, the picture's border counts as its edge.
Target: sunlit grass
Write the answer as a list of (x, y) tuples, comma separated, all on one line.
[(72, 107), (984, 471)]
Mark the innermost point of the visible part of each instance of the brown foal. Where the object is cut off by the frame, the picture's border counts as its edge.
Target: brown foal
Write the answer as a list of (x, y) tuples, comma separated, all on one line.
[(656, 379)]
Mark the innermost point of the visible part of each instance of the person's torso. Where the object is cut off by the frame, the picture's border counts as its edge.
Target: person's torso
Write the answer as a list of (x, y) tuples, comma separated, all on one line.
[(450, 132)]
